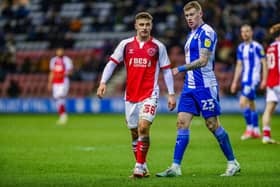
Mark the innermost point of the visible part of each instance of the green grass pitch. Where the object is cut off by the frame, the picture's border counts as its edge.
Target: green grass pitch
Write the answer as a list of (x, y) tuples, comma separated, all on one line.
[(94, 150)]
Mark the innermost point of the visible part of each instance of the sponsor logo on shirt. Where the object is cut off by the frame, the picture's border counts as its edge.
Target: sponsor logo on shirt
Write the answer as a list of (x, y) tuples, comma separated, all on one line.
[(140, 62)]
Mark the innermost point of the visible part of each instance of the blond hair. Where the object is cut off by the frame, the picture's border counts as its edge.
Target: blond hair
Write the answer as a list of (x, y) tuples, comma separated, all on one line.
[(193, 4), (144, 15)]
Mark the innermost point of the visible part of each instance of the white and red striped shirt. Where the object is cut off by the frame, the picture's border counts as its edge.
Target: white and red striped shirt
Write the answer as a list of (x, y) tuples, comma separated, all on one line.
[(59, 66), (273, 59), (143, 60)]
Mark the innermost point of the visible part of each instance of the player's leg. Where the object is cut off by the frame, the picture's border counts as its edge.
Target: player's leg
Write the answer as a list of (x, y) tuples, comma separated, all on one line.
[(134, 138), (266, 119), (255, 120), (272, 98), (142, 148), (210, 108), (147, 112), (247, 114), (222, 137), (59, 93), (186, 109), (132, 118)]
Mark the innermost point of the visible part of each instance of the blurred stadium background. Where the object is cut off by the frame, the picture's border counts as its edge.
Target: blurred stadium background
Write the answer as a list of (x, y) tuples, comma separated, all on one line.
[(30, 30)]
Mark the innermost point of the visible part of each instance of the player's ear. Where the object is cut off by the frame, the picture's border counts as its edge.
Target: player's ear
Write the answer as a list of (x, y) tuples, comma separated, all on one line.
[(135, 25), (200, 14)]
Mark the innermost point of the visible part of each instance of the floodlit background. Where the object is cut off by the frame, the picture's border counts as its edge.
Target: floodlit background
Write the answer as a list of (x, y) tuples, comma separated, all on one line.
[(94, 149), (30, 30)]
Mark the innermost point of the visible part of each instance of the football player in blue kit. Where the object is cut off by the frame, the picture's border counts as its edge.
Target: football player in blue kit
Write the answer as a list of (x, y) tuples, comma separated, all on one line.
[(200, 91)]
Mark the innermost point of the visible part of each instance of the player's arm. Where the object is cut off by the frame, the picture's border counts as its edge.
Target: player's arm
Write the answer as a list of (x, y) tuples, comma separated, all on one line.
[(264, 73), (69, 67), (50, 81), (199, 63), (107, 73), (237, 75), (169, 82)]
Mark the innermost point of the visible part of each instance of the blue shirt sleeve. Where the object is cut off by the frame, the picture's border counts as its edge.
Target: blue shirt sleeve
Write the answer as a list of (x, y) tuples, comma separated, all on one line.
[(207, 40), (260, 51), (239, 53)]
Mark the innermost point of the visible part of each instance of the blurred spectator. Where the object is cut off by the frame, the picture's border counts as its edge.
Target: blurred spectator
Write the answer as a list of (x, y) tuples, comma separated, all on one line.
[(26, 66), (13, 89), (23, 22), (89, 69)]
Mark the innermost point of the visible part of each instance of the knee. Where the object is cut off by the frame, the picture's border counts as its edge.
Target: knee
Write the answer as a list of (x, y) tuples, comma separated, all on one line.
[(134, 133), (143, 129), (212, 125), (242, 104), (180, 124)]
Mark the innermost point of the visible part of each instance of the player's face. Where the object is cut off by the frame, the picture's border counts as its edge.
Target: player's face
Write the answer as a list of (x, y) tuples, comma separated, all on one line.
[(143, 28), (193, 18), (59, 52), (246, 33)]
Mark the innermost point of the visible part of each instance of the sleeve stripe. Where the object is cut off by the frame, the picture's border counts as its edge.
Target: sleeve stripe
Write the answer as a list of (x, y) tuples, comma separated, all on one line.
[(114, 60), (166, 67)]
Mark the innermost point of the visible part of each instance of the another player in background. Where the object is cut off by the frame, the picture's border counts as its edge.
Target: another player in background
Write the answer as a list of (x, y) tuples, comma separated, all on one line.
[(250, 62), (143, 57), (200, 92), (60, 68), (273, 83)]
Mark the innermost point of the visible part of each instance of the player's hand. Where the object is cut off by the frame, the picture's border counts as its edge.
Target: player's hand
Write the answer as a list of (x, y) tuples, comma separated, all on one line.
[(233, 87), (49, 87), (175, 71), (101, 90), (263, 85), (171, 102)]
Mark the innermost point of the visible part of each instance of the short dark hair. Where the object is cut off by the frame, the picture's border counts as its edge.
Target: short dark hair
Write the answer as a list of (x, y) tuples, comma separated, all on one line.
[(144, 15)]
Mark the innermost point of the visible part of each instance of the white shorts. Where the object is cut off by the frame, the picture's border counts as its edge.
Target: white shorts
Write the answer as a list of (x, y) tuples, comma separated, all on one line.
[(273, 94), (142, 110), (60, 90)]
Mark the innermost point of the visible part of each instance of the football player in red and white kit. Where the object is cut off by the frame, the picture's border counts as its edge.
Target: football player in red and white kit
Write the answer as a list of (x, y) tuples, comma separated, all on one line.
[(143, 57), (61, 67), (273, 83)]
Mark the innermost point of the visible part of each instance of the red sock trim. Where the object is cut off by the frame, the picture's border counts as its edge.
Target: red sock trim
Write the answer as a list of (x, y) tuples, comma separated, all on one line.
[(61, 109), (266, 133), (142, 150)]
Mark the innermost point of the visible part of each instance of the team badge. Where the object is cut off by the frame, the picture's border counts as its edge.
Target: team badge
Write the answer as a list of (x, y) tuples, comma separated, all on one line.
[(207, 42), (151, 51), (262, 52)]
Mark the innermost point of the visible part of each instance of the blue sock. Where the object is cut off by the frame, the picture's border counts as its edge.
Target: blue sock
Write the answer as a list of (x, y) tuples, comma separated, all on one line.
[(223, 139), (255, 120), (181, 145), (248, 116)]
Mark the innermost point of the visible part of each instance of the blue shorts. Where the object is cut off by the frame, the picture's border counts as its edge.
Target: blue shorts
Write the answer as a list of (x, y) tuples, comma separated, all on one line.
[(204, 100), (248, 91)]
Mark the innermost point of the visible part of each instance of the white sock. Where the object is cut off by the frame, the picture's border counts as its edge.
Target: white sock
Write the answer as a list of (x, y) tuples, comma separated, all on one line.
[(175, 165)]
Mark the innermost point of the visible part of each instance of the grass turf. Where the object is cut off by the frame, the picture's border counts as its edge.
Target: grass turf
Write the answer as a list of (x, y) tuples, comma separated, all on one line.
[(94, 150)]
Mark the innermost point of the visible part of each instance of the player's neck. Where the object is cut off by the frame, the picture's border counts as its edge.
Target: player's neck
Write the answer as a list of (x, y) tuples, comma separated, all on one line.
[(248, 41), (143, 39)]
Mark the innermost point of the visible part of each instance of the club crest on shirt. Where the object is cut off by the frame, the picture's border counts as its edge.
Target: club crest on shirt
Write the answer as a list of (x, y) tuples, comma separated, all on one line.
[(207, 42), (151, 51)]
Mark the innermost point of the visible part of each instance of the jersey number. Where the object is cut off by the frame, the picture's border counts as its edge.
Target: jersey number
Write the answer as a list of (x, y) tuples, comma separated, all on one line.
[(270, 60), (149, 109), (208, 104)]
